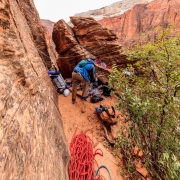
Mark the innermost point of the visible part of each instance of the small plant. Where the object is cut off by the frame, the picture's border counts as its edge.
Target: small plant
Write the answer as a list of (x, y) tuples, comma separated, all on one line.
[(151, 102)]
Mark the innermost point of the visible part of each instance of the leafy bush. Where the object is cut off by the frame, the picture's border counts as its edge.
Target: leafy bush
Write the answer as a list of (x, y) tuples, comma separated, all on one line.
[(151, 102)]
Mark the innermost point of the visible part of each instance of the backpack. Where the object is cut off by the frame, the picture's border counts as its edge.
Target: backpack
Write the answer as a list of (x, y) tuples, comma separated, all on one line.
[(83, 62), (106, 90), (57, 79), (95, 99), (107, 115)]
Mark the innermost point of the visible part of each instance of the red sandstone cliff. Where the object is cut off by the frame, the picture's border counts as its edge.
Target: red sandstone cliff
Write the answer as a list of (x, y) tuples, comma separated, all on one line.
[(112, 10), (87, 39), (32, 141), (143, 18)]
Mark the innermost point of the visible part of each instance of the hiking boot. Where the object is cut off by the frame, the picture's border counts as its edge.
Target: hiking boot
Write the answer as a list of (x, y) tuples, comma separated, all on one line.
[(85, 97), (73, 101)]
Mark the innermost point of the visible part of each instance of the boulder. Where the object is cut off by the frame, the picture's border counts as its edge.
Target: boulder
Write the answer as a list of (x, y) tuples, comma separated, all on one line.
[(86, 39), (68, 48)]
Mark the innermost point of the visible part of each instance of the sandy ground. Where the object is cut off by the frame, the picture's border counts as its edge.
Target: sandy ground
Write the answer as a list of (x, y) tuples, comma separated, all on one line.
[(82, 116)]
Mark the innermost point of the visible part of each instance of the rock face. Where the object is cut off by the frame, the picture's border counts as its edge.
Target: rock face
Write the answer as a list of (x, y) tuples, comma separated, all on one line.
[(143, 19), (48, 29), (32, 141), (87, 39), (69, 50), (36, 29), (112, 10)]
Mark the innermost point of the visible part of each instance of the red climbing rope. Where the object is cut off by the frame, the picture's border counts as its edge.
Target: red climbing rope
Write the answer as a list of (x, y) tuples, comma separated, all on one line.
[(82, 157)]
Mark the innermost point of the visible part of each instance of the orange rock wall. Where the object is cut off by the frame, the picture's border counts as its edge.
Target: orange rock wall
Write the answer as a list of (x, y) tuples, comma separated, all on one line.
[(86, 39), (143, 18), (32, 141)]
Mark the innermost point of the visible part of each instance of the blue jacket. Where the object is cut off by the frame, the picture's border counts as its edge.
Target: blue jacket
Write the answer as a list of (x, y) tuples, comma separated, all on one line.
[(88, 71)]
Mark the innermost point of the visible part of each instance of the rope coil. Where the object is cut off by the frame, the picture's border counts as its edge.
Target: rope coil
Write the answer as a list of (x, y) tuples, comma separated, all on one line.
[(82, 158)]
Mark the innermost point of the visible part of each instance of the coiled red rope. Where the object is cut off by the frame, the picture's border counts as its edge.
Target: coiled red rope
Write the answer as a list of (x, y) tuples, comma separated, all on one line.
[(82, 157)]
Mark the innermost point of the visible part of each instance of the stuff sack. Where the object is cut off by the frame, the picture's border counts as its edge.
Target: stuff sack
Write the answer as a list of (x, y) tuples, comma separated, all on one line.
[(95, 92), (95, 99)]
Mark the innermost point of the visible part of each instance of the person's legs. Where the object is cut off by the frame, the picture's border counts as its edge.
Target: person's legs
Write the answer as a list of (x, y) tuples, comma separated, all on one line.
[(74, 86), (76, 79), (85, 90)]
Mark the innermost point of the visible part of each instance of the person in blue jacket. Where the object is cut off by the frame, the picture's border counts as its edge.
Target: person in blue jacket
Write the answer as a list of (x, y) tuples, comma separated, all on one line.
[(83, 74)]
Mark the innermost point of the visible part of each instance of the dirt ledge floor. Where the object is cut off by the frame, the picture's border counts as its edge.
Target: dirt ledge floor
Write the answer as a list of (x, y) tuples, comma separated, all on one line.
[(82, 115)]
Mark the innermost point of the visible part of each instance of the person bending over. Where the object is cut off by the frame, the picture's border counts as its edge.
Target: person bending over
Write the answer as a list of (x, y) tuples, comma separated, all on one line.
[(84, 72)]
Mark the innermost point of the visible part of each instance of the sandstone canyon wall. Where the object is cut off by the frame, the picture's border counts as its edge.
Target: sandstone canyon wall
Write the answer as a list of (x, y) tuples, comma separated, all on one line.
[(112, 10), (48, 29), (32, 141), (86, 39), (142, 19)]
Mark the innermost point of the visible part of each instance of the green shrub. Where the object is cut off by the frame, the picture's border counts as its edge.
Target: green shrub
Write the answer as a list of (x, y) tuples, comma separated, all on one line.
[(151, 103)]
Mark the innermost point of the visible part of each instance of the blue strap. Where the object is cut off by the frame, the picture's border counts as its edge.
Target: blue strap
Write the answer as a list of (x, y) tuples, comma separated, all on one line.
[(96, 173)]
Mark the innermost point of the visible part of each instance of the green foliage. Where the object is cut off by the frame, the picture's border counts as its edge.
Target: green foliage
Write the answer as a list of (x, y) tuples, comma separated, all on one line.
[(151, 102)]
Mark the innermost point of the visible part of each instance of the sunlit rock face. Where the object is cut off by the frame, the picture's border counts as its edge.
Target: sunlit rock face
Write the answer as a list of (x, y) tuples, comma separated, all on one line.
[(86, 39), (32, 141), (143, 18), (112, 10)]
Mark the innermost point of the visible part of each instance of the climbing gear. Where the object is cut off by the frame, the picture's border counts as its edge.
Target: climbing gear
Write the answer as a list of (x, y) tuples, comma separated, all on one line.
[(105, 115), (95, 84), (82, 156), (95, 99), (53, 72), (85, 97), (95, 92), (57, 79), (68, 84), (108, 117), (60, 91), (111, 141), (66, 92), (106, 90), (100, 168)]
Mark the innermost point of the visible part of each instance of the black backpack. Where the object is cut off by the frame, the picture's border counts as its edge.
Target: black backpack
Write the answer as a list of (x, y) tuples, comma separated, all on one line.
[(95, 99), (106, 90)]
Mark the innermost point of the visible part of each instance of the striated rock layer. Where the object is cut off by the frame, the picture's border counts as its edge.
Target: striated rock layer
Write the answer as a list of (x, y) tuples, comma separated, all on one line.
[(112, 10), (32, 141), (143, 18), (87, 39), (69, 50), (48, 29)]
